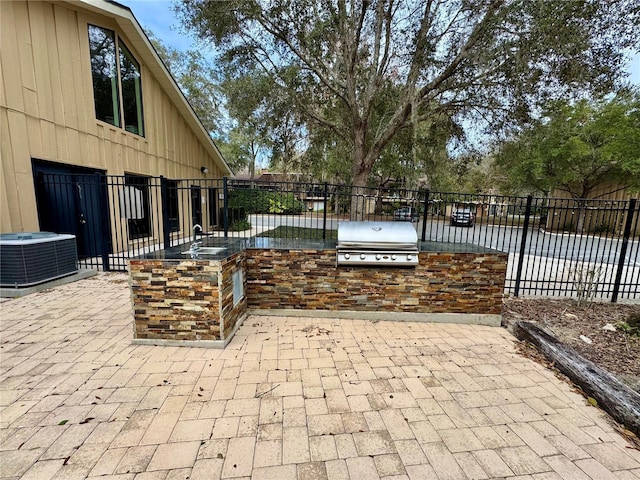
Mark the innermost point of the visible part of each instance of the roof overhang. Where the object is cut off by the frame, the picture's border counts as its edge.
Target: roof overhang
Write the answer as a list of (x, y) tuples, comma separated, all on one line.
[(129, 25)]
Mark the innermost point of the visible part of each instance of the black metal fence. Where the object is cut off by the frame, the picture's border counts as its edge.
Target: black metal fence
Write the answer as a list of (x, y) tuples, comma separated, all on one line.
[(556, 246)]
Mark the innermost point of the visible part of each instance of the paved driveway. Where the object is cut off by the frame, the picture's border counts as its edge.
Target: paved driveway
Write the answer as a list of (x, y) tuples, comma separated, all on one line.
[(288, 398)]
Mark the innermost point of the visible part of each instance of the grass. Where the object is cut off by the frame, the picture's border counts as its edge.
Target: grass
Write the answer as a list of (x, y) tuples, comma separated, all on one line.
[(299, 233)]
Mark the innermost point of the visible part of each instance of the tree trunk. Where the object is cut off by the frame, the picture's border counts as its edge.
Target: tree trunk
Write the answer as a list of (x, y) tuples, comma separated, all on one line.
[(582, 213), (360, 171), (358, 202), (252, 165)]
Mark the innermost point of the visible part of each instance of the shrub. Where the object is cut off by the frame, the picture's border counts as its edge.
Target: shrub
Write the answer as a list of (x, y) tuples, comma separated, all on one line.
[(586, 279), (235, 214), (602, 229), (299, 233), (285, 203), (261, 201), (240, 225)]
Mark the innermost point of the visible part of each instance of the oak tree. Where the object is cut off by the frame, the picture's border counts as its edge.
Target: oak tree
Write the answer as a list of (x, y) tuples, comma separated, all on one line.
[(490, 62)]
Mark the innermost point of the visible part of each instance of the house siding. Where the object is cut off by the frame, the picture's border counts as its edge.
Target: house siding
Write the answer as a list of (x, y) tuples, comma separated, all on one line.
[(607, 210), (47, 110)]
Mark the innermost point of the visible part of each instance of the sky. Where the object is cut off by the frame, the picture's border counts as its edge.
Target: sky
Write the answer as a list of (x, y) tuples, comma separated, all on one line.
[(157, 16)]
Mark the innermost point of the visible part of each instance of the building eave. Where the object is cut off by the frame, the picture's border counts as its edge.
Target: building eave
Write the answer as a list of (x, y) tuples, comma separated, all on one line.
[(134, 32)]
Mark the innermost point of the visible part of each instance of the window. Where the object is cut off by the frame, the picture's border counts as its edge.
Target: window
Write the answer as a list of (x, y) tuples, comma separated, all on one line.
[(102, 44), (116, 81), (137, 209), (131, 93)]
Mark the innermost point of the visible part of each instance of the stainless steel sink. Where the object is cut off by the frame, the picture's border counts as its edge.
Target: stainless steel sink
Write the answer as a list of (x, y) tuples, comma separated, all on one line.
[(204, 251)]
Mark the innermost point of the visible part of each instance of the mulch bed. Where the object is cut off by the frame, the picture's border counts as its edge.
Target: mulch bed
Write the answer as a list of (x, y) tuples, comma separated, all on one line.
[(615, 351)]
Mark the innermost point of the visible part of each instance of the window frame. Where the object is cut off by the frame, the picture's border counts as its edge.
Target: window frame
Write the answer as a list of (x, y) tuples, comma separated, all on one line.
[(114, 97), (120, 48), (123, 49)]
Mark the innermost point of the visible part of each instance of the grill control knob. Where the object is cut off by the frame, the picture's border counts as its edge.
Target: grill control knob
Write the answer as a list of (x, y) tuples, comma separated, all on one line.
[(393, 257), (347, 256), (363, 256), (409, 257), (378, 256)]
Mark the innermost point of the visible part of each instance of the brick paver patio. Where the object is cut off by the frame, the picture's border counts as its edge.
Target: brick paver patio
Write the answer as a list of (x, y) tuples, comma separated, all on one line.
[(289, 398)]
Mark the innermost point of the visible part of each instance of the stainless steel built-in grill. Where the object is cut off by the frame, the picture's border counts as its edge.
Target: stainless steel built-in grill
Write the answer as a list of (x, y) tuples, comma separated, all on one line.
[(377, 243)]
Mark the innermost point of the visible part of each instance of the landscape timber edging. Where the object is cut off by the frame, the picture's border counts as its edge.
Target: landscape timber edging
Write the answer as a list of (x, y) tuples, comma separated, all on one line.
[(613, 396)]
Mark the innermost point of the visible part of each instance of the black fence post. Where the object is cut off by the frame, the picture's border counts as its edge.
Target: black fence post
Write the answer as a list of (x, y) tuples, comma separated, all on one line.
[(166, 222), (623, 249), (106, 227), (324, 211), (523, 244), (225, 207), (426, 213)]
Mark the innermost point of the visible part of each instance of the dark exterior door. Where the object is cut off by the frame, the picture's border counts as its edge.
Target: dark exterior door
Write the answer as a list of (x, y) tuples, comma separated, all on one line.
[(213, 207), (73, 200), (196, 205)]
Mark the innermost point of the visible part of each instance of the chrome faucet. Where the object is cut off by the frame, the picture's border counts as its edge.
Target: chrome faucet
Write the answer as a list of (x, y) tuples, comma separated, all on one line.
[(194, 249)]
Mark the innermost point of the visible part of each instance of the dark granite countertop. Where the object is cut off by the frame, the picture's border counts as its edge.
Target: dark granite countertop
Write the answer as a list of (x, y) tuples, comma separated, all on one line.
[(443, 247), (235, 245), (180, 252)]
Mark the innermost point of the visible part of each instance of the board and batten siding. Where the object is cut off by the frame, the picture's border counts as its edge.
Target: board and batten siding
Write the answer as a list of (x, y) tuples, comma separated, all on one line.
[(607, 213), (47, 110)]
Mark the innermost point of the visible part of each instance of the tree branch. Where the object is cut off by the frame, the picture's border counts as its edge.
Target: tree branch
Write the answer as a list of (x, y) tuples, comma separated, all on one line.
[(613, 191), (475, 35), (379, 67), (274, 71), (279, 34), (421, 41), (358, 33), (399, 119)]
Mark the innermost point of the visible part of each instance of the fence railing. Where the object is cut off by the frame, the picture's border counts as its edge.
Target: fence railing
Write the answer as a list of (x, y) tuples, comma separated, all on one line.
[(556, 246)]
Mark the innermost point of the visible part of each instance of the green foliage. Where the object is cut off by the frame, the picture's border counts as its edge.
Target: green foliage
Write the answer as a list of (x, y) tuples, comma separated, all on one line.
[(256, 201), (417, 157), (364, 83), (473, 174), (250, 108), (602, 228), (631, 326), (244, 135), (197, 79), (241, 149), (240, 225), (299, 233), (579, 147), (237, 218), (325, 158)]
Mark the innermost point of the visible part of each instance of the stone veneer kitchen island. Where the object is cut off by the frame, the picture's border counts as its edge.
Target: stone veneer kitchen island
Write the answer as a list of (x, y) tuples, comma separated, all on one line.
[(196, 301), (192, 301)]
